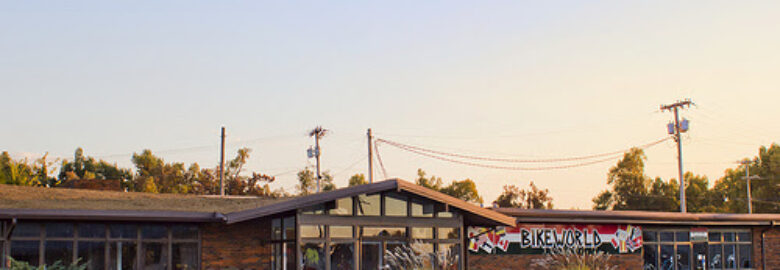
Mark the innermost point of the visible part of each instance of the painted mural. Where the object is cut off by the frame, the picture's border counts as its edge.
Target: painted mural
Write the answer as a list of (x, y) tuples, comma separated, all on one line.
[(538, 238)]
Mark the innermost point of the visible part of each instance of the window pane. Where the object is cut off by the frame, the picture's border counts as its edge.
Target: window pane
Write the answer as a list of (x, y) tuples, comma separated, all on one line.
[(277, 260), (395, 247), (716, 257), (55, 251), (384, 232), (714, 236), (667, 236), (425, 251), (276, 229), (184, 232), (343, 207), (651, 256), (25, 251), (744, 256), (667, 257), (185, 256), (92, 230), (370, 257), (342, 256), (93, 253), (422, 233), (26, 230), (729, 237), (312, 231), (448, 233), (368, 205), (124, 231), (122, 255), (744, 237), (314, 210), (395, 204), (683, 257), (450, 256), (422, 208), (155, 256), (340, 231), (683, 236), (289, 255), (313, 256), (289, 227), (154, 232), (59, 230), (730, 256), (649, 236)]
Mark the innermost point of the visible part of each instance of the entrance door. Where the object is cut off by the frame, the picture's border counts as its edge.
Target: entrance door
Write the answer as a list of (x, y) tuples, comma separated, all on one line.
[(700, 256), (371, 255)]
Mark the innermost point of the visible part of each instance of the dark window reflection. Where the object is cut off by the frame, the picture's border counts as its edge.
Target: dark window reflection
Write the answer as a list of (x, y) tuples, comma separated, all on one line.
[(185, 256), (155, 256), (651, 256), (92, 253), (25, 251), (342, 256), (370, 256), (313, 256), (58, 251), (122, 256)]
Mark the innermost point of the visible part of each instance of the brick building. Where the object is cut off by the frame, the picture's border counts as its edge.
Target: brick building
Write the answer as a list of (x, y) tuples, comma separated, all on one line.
[(355, 227)]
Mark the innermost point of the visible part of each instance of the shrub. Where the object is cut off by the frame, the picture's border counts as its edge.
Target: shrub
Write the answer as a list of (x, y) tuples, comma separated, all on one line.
[(574, 259), (58, 265)]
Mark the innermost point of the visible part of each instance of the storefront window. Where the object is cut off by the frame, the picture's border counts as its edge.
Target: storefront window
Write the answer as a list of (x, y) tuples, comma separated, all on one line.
[(651, 256), (92, 230), (340, 231), (369, 205), (313, 256), (422, 233), (342, 256), (155, 256), (184, 256), (384, 232), (395, 204), (371, 256), (283, 242), (93, 253), (58, 251), (59, 230), (681, 249), (312, 231), (122, 255), (25, 251), (422, 208), (683, 257), (343, 207)]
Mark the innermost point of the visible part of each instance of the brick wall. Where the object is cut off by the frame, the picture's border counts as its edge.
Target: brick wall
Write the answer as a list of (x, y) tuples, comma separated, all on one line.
[(772, 244), (236, 246), (517, 261)]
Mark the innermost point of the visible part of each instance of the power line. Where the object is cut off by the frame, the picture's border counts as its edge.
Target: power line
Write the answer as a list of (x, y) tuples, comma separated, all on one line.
[(379, 158), (417, 148)]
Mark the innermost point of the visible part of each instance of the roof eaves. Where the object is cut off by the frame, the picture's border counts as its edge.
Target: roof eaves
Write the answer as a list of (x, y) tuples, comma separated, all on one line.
[(499, 218), (110, 215)]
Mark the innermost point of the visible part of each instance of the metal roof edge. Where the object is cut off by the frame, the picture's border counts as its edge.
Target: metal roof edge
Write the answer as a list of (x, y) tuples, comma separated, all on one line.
[(110, 215)]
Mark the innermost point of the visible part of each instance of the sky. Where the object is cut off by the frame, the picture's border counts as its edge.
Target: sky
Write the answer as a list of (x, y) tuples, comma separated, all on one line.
[(509, 79)]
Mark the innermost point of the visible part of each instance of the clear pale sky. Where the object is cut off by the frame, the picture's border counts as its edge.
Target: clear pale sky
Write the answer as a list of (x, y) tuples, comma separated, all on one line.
[(494, 78)]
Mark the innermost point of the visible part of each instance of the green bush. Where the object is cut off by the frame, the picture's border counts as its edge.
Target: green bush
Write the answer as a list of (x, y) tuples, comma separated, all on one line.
[(58, 265)]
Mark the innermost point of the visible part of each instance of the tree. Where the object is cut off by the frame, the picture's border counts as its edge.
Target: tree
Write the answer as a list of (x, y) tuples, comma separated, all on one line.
[(307, 182), (357, 179), (465, 190), (23, 173), (85, 167), (533, 198), (433, 182)]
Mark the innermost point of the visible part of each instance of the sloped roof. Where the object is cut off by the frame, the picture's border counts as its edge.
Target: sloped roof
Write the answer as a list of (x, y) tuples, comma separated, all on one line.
[(53, 203), (638, 217)]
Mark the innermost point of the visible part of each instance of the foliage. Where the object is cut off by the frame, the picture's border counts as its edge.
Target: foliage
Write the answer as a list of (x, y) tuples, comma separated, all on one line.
[(533, 198), (23, 173), (465, 190), (574, 259), (417, 256), (87, 168), (433, 182), (357, 179), (58, 265), (307, 182)]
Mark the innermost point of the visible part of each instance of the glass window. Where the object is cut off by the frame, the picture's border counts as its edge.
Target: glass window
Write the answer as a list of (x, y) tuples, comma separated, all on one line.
[(422, 208), (667, 236), (714, 236), (154, 232), (26, 230), (395, 247), (422, 233), (184, 232), (314, 210), (59, 230), (128, 231), (289, 255), (184, 256), (729, 237), (342, 256), (368, 205), (683, 257), (58, 251), (343, 207), (312, 231), (276, 229), (383, 231), (716, 257), (340, 231), (450, 256), (25, 251), (370, 257), (729, 256), (744, 237), (93, 253), (667, 257), (313, 256), (651, 256), (122, 255), (277, 260), (683, 236), (155, 256), (649, 236), (448, 233), (744, 256), (395, 204), (425, 251), (289, 227), (92, 230)]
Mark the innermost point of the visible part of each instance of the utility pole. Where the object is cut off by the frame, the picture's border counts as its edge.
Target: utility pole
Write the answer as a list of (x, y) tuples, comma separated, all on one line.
[(747, 179), (370, 158), (222, 165), (675, 131), (317, 133)]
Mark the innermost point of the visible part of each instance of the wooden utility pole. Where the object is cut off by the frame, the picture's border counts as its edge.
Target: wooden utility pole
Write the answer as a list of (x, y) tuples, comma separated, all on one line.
[(222, 165), (317, 133), (370, 158), (747, 179), (677, 138)]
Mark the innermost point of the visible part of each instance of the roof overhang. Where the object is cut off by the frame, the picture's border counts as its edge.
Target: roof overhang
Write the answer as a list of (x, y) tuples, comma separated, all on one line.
[(110, 215), (639, 217)]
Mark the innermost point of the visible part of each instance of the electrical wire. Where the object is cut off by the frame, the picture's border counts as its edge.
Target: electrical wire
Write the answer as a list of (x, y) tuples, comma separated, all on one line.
[(416, 148), (379, 158)]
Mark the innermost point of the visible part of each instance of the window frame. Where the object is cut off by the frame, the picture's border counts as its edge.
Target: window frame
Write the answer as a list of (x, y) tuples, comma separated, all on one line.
[(657, 243)]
